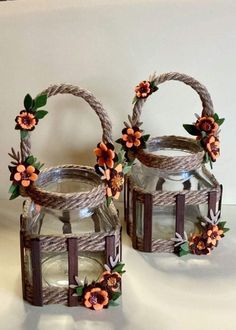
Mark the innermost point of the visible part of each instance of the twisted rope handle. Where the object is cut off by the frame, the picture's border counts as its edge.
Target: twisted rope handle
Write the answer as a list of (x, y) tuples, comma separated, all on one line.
[(196, 85), (89, 98)]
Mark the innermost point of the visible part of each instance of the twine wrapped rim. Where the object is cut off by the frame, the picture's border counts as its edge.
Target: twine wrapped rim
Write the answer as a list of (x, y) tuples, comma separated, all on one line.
[(42, 196), (191, 161)]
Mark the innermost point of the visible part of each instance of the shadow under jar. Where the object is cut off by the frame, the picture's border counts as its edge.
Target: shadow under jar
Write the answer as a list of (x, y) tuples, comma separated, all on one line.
[(60, 243), (160, 202)]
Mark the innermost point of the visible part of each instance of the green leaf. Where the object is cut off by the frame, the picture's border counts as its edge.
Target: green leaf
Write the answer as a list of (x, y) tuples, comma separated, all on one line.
[(28, 102), (40, 114), (30, 160), (79, 290), (135, 99), (118, 268), (221, 224), (185, 247), (115, 295), (121, 156), (23, 134), (146, 137), (183, 253), (16, 193), (113, 303), (38, 165), (109, 199), (127, 169), (12, 188), (119, 141), (191, 129), (220, 121), (216, 117), (225, 230), (40, 101)]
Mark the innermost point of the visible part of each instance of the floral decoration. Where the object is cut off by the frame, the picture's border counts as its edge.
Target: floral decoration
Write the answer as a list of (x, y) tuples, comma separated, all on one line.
[(24, 172), (144, 89), (211, 231), (30, 116), (206, 130), (114, 179), (104, 292), (105, 154)]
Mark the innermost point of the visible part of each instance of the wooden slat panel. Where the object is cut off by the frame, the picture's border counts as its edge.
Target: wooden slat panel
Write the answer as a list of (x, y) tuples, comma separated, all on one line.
[(72, 269), (147, 228), (36, 272), (110, 249), (180, 207)]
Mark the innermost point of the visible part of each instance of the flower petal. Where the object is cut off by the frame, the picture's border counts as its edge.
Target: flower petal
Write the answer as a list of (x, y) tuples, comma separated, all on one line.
[(98, 307), (98, 152), (129, 144), (25, 183), (138, 134), (130, 131), (30, 169), (17, 177), (103, 146), (20, 168), (137, 143)]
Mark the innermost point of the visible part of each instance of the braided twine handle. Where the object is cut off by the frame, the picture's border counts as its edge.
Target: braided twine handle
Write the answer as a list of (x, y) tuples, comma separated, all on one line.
[(180, 162), (89, 98), (70, 200)]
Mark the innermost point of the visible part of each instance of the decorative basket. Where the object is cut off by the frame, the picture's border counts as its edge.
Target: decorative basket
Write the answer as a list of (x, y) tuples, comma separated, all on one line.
[(67, 232), (170, 191)]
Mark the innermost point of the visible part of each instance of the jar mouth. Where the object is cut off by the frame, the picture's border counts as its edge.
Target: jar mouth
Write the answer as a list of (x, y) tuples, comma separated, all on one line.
[(51, 189), (68, 179), (188, 154)]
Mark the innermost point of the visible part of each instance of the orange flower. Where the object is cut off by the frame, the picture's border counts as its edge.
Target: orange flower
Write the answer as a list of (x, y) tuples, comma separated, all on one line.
[(206, 124), (96, 298), (24, 174), (105, 154), (111, 280), (143, 89), (214, 234), (114, 180), (198, 245), (131, 137), (213, 147), (26, 121)]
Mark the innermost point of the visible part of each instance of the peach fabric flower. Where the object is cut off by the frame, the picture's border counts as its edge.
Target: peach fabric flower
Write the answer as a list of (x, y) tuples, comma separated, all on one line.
[(111, 280), (213, 147), (105, 154), (207, 124), (24, 175), (143, 89), (115, 181), (26, 121), (198, 245), (214, 234), (96, 298), (131, 137)]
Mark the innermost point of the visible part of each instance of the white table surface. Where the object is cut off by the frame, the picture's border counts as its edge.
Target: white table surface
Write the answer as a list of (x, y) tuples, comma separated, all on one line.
[(160, 291)]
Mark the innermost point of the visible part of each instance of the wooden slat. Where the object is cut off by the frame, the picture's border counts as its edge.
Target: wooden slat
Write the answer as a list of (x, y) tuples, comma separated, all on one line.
[(36, 272), (110, 249), (147, 228), (212, 197), (180, 207), (221, 196), (72, 268), (134, 219)]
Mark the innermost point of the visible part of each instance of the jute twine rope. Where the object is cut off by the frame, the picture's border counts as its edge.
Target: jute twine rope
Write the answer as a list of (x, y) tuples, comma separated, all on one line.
[(69, 201), (177, 162), (66, 201)]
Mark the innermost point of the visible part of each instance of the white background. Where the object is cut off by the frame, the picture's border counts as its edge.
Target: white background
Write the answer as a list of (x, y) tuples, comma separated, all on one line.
[(107, 47)]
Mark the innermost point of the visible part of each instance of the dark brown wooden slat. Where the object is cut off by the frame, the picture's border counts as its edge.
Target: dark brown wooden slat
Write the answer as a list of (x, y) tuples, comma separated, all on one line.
[(134, 219), (180, 207), (110, 249), (212, 198), (147, 228), (221, 196), (72, 246), (36, 272)]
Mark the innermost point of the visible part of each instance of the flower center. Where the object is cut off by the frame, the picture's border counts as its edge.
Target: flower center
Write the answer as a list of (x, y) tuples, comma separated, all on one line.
[(26, 120), (111, 281), (117, 181), (206, 126), (201, 246)]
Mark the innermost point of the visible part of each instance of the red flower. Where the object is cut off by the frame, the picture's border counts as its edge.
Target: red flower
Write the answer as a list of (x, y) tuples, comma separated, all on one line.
[(114, 180), (24, 174), (105, 154), (212, 146), (143, 89), (111, 280), (206, 124), (95, 298), (198, 245), (214, 234), (26, 121), (131, 137)]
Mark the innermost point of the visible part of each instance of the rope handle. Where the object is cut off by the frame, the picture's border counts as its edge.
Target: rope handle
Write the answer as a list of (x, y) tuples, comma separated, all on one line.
[(202, 91), (53, 90)]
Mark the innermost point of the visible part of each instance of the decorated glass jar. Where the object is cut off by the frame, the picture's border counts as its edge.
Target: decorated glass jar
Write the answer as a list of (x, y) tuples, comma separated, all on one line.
[(70, 230)]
